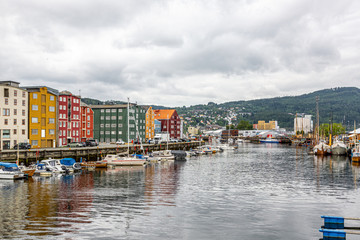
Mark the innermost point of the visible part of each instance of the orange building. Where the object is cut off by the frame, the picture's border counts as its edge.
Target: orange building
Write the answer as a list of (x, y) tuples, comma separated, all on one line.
[(149, 124), (42, 116)]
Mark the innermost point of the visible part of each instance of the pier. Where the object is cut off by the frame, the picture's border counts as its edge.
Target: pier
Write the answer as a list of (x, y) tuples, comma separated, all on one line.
[(31, 155)]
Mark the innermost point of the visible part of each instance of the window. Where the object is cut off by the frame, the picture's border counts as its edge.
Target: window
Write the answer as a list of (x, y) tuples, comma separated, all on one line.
[(34, 143), (51, 120), (35, 97), (6, 121), (15, 121), (43, 133), (23, 112), (113, 132), (23, 102), (23, 94), (107, 125), (120, 132), (102, 118), (88, 124), (6, 112), (102, 110), (102, 125), (34, 132), (34, 120), (88, 132), (15, 112), (113, 117), (107, 110), (60, 133), (107, 117), (77, 124), (64, 132), (6, 92), (23, 131), (120, 110), (51, 109), (113, 110), (6, 101), (107, 132), (88, 118), (34, 107), (51, 131), (120, 125), (88, 110), (52, 98), (101, 132), (6, 133), (23, 121), (15, 102), (113, 125), (120, 117), (15, 93)]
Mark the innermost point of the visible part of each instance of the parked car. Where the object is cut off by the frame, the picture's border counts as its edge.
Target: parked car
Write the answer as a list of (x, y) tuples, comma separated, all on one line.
[(74, 144), (91, 142), (22, 146), (120, 142)]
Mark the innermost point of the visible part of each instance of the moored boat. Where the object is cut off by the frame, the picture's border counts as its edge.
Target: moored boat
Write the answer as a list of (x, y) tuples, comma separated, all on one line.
[(355, 154), (94, 164), (338, 148), (116, 160), (54, 165), (322, 149), (10, 171), (71, 164)]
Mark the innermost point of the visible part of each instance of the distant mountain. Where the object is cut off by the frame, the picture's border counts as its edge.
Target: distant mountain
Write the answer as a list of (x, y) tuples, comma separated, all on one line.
[(343, 104), (91, 101)]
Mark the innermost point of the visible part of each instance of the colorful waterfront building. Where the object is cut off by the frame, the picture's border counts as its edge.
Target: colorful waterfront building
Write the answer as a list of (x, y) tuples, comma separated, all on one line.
[(69, 118), (42, 118), (13, 114), (150, 124), (271, 125), (170, 122), (111, 122), (87, 122)]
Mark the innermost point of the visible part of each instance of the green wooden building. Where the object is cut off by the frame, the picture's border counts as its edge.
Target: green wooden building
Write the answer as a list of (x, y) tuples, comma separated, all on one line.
[(111, 123)]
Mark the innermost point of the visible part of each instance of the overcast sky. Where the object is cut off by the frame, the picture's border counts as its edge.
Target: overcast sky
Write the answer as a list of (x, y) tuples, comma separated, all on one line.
[(181, 52)]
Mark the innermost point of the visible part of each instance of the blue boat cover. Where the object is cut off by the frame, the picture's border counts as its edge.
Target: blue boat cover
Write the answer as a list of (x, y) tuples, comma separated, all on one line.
[(8, 165), (67, 161)]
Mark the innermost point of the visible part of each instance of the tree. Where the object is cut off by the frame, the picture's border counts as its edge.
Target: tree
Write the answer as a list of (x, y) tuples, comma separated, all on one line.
[(244, 125), (337, 129)]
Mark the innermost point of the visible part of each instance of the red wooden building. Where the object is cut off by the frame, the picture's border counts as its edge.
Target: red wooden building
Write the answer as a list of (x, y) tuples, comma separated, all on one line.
[(87, 123), (170, 122), (69, 118)]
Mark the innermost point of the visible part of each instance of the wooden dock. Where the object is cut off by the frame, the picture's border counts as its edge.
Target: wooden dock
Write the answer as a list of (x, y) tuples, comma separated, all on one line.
[(90, 153)]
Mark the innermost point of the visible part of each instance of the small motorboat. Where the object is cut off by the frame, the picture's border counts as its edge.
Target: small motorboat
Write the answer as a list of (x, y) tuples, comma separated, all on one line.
[(71, 164), (54, 165), (117, 160), (10, 171), (93, 164)]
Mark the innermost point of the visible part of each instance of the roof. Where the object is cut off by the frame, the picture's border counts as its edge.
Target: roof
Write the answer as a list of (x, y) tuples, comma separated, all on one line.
[(164, 113), (10, 83), (37, 88)]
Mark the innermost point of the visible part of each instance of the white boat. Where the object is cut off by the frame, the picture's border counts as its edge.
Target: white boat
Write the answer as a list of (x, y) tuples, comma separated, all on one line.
[(71, 164), (42, 170), (164, 155), (338, 148), (10, 171), (322, 149), (239, 140), (227, 147), (117, 160), (54, 165)]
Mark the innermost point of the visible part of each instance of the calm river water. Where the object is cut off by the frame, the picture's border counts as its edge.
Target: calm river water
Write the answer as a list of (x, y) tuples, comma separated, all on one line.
[(258, 191)]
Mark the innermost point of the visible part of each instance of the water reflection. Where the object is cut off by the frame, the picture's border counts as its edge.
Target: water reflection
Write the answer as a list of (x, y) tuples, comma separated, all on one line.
[(256, 192)]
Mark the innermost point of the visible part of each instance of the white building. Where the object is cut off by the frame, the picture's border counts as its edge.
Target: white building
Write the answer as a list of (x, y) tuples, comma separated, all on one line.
[(13, 114), (303, 124)]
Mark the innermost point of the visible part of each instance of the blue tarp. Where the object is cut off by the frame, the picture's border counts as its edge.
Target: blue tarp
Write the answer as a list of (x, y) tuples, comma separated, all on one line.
[(67, 161), (8, 165)]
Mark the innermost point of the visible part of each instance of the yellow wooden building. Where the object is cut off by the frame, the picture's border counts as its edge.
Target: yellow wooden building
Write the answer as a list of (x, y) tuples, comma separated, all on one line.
[(149, 124), (42, 116)]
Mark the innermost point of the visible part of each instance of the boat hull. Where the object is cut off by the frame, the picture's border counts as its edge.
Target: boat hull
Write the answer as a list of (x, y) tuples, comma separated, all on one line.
[(338, 151), (29, 172), (126, 163), (94, 164), (11, 176)]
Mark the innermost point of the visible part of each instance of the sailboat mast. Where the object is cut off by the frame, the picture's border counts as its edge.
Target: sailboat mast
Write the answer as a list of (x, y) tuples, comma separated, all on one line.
[(317, 120), (128, 123)]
